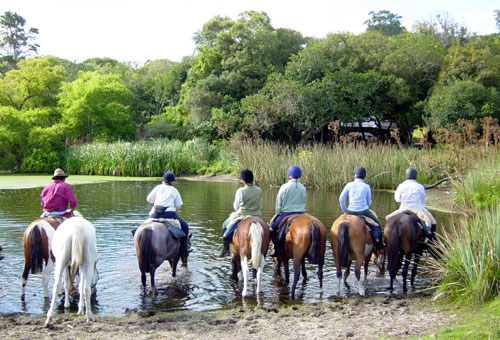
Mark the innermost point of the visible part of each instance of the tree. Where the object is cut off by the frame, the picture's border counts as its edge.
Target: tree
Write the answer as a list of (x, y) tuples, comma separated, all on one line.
[(384, 22), (34, 84), (497, 18), (461, 99), (444, 30), (95, 108), (16, 43)]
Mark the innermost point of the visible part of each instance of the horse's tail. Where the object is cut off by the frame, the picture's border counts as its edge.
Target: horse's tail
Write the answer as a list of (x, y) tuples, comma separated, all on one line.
[(343, 244), (146, 258), (34, 240), (256, 234), (77, 248), (393, 246), (314, 255)]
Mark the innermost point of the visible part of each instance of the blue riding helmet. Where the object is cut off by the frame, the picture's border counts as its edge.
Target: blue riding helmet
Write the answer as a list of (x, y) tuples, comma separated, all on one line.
[(294, 171), (168, 177), (360, 172)]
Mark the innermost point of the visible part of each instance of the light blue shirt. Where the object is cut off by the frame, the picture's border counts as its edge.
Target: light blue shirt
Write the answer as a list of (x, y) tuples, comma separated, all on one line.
[(291, 197), (359, 195)]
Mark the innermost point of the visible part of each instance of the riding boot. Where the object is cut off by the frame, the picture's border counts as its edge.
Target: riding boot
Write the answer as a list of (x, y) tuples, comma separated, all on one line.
[(376, 236), (277, 250), (225, 248)]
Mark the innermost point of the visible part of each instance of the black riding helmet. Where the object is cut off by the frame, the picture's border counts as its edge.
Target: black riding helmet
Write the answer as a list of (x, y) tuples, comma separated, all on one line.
[(246, 175), (411, 173), (360, 172)]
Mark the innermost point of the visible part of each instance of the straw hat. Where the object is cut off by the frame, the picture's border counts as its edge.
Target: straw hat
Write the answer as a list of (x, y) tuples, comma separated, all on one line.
[(59, 173)]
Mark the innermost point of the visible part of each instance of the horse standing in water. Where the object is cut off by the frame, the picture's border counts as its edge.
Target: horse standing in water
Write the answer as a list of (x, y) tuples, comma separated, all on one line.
[(250, 241), (404, 238), (155, 243), (305, 237), (351, 240), (74, 247), (37, 240)]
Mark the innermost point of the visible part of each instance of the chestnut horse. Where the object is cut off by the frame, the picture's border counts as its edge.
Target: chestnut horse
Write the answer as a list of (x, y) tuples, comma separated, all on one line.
[(404, 238), (305, 237), (154, 243), (249, 243), (37, 242), (351, 240)]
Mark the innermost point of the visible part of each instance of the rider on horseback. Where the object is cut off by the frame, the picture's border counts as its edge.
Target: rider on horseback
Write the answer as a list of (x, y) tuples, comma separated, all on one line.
[(291, 199), (360, 199), (247, 200), (167, 202), (57, 195), (411, 195)]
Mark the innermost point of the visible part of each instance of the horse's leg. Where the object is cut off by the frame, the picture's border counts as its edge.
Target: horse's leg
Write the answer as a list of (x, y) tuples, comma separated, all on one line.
[(46, 276), (357, 273), (406, 263), (66, 285), (81, 287), (235, 267), (86, 290), (24, 278), (347, 271), (287, 271), (244, 272), (415, 265), (259, 272), (152, 270), (320, 272), (143, 278), (55, 290), (304, 271), (296, 273)]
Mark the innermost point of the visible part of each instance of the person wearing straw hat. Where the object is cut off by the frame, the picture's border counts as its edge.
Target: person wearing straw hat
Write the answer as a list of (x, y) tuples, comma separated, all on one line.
[(57, 195)]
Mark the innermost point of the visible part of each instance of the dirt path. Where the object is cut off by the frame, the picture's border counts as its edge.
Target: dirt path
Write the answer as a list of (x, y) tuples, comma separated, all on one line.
[(356, 318)]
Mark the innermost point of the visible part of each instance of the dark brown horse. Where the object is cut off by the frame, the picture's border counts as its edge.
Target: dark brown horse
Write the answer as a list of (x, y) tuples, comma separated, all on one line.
[(305, 237), (37, 242), (154, 243), (351, 240), (404, 238), (249, 243)]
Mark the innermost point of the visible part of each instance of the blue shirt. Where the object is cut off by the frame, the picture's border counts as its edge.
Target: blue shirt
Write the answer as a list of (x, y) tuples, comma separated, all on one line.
[(359, 195)]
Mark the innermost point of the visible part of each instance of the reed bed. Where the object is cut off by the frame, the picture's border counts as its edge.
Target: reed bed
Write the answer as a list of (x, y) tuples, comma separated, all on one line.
[(145, 158), (331, 166), (469, 268)]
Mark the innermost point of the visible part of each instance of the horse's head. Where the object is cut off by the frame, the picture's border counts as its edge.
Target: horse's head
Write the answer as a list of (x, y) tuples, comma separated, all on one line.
[(378, 258)]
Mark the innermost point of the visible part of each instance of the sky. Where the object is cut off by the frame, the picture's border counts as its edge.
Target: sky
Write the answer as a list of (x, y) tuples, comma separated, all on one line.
[(138, 31)]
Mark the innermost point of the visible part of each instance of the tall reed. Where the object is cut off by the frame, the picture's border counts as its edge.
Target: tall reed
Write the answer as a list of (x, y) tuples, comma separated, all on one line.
[(146, 158), (469, 268)]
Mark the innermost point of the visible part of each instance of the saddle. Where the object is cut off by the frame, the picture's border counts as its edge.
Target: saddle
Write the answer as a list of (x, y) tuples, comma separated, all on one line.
[(285, 225), (173, 226)]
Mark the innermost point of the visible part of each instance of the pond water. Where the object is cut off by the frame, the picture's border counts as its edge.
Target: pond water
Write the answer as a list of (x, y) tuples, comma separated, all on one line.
[(115, 207)]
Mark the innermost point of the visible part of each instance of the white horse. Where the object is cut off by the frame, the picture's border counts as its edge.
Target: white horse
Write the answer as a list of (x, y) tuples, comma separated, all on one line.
[(37, 243), (74, 245)]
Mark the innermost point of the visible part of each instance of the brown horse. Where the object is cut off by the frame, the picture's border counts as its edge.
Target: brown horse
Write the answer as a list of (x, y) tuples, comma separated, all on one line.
[(404, 238), (351, 240), (37, 242), (305, 237), (250, 242)]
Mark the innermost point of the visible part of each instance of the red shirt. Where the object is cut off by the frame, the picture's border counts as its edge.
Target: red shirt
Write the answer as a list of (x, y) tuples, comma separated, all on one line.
[(56, 196)]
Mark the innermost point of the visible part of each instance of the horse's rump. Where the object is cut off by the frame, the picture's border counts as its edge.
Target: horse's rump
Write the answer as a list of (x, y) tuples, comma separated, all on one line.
[(401, 232), (145, 249), (256, 233)]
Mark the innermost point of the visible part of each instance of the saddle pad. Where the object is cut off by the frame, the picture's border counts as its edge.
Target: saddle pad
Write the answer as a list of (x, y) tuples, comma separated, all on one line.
[(421, 215)]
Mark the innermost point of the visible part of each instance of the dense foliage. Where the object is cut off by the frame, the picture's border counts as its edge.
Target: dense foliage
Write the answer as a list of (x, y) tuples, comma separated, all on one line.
[(248, 80)]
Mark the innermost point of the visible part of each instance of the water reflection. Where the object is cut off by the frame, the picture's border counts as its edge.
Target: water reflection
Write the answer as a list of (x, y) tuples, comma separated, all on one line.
[(117, 207)]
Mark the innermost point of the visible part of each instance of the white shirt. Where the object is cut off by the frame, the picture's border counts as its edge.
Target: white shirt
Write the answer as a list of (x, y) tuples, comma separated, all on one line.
[(165, 196), (411, 194)]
